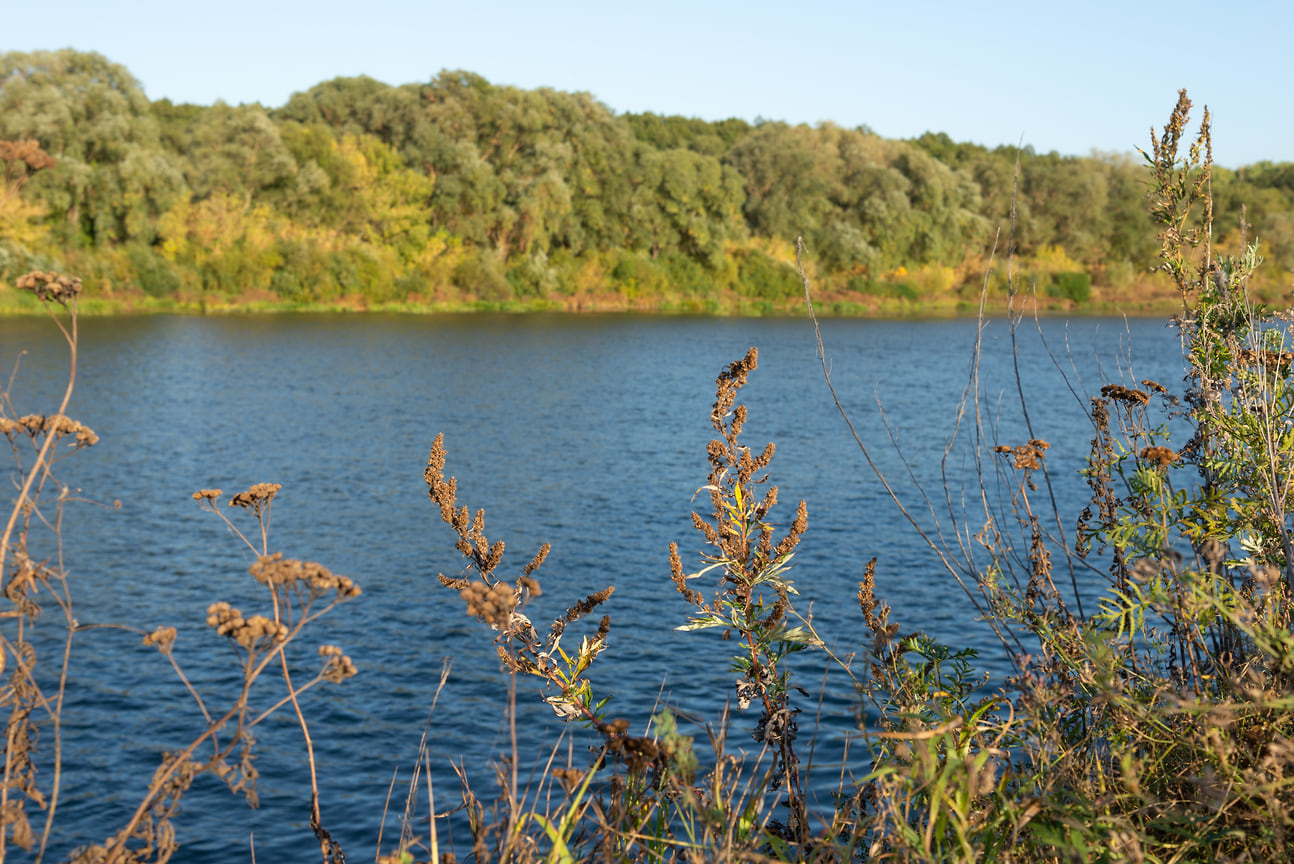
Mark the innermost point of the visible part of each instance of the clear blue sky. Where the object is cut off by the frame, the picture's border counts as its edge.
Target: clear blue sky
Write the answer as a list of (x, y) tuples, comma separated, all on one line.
[(1070, 76)]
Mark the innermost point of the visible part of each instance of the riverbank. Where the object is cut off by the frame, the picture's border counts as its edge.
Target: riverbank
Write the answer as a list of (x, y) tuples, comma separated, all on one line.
[(829, 304)]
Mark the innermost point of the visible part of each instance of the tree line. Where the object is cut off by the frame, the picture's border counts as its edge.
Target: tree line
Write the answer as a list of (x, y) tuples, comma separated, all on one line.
[(462, 192)]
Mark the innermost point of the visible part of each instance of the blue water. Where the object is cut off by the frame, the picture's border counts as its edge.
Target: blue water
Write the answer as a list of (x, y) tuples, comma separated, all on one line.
[(586, 432)]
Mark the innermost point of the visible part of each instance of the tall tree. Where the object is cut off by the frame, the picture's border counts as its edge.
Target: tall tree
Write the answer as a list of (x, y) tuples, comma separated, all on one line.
[(115, 178)]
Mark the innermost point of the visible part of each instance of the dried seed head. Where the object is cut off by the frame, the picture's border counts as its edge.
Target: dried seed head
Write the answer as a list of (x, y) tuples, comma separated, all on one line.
[(728, 383), (163, 638), (275, 570), (491, 604), (256, 499), (1164, 456), (680, 580), (1025, 456), (1154, 385), (339, 667), (588, 604), (792, 538), (48, 285), (537, 560), (207, 494), (1125, 394)]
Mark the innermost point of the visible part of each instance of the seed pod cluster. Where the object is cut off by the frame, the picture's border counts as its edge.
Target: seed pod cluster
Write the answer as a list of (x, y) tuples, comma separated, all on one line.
[(256, 631), (274, 569), (54, 425), (339, 667), (493, 605)]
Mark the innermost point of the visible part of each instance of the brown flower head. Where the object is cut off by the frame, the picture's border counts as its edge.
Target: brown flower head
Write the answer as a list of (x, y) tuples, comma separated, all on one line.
[(275, 570), (338, 666), (1164, 456), (48, 285), (1125, 394), (256, 499), (163, 638)]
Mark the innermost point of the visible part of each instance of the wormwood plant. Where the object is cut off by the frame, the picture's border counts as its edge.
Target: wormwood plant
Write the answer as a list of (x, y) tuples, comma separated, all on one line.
[(295, 594), (495, 602), (752, 599)]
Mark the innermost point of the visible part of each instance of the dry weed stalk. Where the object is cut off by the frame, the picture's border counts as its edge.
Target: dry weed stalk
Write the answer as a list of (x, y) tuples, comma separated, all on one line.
[(498, 603), (753, 596), (299, 592), (34, 443)]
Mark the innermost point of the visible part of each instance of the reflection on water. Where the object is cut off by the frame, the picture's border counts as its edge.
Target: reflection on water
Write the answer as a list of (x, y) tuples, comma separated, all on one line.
[(585, 432)]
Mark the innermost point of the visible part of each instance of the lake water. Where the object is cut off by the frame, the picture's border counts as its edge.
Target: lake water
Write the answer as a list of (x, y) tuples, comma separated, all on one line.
[(585, 432)]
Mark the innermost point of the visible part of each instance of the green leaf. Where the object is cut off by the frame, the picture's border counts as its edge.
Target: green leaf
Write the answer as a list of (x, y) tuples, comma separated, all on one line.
[(704, 623)]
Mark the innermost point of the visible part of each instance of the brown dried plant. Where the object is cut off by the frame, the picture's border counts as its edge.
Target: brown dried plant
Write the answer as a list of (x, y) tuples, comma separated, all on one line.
[(498, 603), (37, 443), (299, 592), (752, 598)]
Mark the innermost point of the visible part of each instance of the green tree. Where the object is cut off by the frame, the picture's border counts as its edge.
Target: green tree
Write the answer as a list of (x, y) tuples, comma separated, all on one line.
[(115, 178)]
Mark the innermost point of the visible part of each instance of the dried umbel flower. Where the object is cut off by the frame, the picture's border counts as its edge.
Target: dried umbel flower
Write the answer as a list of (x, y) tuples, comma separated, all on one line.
[(256, 499), (48, 285), (1026, 456), (55, 426), (275, 570), (1155, 386), (207, 494), (254, 632), (163, 638), (339, 667)]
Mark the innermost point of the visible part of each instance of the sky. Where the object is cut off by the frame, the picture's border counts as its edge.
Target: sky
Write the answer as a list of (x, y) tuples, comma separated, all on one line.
[(1071, 77)]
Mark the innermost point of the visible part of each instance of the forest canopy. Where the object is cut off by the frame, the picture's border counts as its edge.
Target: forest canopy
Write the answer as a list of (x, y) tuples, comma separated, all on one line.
[(460, 193)]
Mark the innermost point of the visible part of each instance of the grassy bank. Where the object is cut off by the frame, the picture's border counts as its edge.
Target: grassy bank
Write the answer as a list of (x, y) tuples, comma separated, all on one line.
[(15, 302)]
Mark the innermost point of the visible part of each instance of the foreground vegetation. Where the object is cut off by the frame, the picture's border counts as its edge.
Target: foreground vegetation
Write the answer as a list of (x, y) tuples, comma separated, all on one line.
[(460, 194), (1149, 716)]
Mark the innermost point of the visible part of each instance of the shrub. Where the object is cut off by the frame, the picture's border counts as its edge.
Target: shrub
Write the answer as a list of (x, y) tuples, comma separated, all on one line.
[(155, 275), (480, 272), (761, 277), (886, 289), (1072, 285)]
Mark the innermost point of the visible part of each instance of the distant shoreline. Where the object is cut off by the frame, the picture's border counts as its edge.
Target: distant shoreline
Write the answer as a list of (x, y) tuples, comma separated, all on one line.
[(14, 304)]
